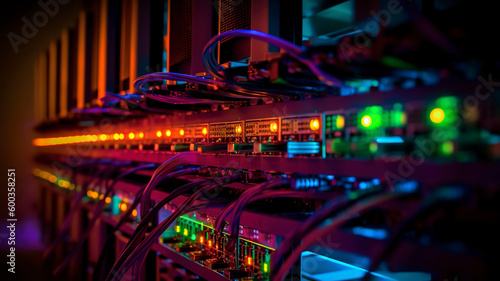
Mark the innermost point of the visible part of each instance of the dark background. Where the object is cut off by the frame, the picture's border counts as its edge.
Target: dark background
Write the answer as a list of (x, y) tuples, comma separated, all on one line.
[(17, 113)]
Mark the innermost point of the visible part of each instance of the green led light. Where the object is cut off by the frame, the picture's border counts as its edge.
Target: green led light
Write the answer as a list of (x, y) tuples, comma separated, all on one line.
[(444, 112), (370, 118), (373, 147), (447, 148), (193, 236)]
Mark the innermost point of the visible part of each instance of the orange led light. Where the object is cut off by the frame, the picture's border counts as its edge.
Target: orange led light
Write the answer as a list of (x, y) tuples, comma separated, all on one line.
[(204, 131), (131, 136), (273, 127), (123, 207), (201, 239), (89, 193), (181, 132), (108, 200), (103, 137), (210, 243), (168, 133), (141, 135), (158, 134), (116, 136), (134, 213), (238, 129), (122, 136), (249, 260), (314, 124)]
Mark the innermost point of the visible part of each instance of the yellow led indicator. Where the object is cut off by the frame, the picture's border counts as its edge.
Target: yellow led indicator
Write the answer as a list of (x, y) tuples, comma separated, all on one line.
[(168, 133), (273, 127), (103, 137), (366, 121), (94, 138), (238, 129), (210, 243), (314, 124), (158, 134), (108, 200), (123, 207), (201, 239), (131, 136), (437, 115), (403, 118), (134, 213), (177, 228), (122, 136), (185, 232), (116, 136), (204, 131), (340, 122), (249, 260), (141, 135), (265, 267), (181, 132)]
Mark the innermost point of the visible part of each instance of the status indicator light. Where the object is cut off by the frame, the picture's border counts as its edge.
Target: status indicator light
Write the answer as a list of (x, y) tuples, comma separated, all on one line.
[(265, 267), (116, 136), (168, 133), (193, 236), (201, 239), (134, 213), (103, 137), (185, 232), (122, 136), (249, 260), (273, 127), (314, 124), (448, 148), (181, 132), (131, 136), (158, 134), (141, 135), (437, 115), (238, 129), (107, 200), (340, 122), (210, 243), (123, 207), (177, 229), (204, 131), (366, 121)]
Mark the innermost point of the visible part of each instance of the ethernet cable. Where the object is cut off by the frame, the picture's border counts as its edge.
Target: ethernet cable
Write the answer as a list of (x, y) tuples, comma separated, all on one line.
[(215, 69), (97, 212), (441, 198), (77, 199), (132, 247), (333, 207), (278, 274), (181, 159), (246, 196), (119, 269)]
